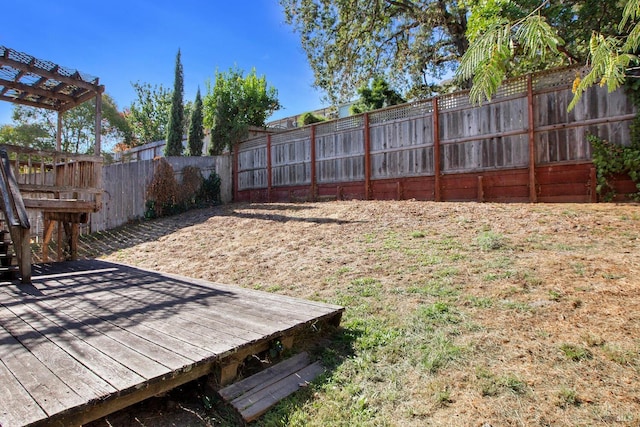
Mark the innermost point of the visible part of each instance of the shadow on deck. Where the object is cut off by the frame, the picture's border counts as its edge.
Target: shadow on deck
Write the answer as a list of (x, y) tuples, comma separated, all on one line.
[(88, 338)]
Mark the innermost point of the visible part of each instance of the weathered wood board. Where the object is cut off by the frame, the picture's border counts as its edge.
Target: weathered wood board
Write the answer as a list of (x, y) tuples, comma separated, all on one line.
[(253, 396), (88, 338)]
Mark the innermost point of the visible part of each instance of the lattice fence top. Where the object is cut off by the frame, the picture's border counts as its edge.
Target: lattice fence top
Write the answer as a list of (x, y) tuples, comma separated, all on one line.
[(345, 123), (401, 112), (27, 80), (292, 135), (553, 79), (556, 79), (259, 142)]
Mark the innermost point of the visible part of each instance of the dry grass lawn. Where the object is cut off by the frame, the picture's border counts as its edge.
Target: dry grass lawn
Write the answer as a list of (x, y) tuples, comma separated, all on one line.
[(458, 314)]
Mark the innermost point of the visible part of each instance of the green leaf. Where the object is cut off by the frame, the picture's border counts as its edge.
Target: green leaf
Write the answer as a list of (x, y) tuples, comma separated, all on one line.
[(536, 37)]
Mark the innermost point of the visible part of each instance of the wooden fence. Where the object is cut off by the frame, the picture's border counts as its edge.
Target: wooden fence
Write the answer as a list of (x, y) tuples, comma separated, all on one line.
[(522, 146), (125, 186)]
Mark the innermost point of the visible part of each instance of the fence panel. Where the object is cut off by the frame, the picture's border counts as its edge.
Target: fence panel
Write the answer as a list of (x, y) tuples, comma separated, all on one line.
[(561, 135), (491, 136), (125, 187), (291, 158), (252, 164), (340, 156), (402, 148), (471, 138)]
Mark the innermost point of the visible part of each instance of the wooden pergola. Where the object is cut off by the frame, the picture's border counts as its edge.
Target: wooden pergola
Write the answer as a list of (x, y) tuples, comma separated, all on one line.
[(39, 83), (64, 187)]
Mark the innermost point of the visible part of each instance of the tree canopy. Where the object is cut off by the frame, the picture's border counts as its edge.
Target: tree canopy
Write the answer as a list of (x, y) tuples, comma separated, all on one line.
[(37, 127), (413, 43), (375, 96), (408, 42), (235, 102), (149, 113), (514, 37)]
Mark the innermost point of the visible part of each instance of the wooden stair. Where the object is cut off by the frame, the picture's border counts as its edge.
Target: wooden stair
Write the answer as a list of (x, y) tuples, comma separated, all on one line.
[(254, 395), (16, 217), (8, 261)]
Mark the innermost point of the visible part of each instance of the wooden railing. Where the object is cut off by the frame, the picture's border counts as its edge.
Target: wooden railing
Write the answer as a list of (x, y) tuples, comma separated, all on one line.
[(15, 214), (57, 181), (64, 187)]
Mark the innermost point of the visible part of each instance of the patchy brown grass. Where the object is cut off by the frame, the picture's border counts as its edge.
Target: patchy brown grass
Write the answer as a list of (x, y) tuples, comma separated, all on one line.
[(457, 314)]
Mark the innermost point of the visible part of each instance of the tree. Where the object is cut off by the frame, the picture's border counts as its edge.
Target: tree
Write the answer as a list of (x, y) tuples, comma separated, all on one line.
[(234, 103), (149, 113), (37, 127), (176, 115), (32, 135), (195, 135), (377, 96), (507, 38), (610, 56), (348, 42)]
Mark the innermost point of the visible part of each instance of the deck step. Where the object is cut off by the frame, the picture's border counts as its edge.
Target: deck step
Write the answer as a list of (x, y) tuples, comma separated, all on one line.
[(254, 395)]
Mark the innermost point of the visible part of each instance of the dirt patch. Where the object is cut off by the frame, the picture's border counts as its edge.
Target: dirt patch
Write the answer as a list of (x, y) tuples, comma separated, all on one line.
[(457, 314)]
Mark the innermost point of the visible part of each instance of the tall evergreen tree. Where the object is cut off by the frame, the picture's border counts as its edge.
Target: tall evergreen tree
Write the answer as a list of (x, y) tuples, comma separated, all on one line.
[(176, 115), (196, 131)]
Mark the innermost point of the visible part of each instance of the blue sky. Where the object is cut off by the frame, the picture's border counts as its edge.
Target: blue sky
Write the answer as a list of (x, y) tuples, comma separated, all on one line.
[(137, 40)]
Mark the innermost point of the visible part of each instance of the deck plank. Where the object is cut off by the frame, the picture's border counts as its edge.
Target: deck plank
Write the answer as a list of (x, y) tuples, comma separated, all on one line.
[(151, 352), (252, 405), (266, 377), (107, 319), (106, 367), (24, 408), (93, 348), (44, 387), (227, 320), (90, 337), (77, 376)]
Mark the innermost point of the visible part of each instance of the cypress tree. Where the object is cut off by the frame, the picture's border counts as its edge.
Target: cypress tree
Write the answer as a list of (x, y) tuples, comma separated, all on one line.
[(176, 115), (196, 131)]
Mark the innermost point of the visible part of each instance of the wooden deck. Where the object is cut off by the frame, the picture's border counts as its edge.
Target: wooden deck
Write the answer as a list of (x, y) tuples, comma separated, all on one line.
[(88, 338)]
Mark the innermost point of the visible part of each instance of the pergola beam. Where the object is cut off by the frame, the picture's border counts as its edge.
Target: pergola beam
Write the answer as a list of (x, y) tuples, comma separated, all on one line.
[(55, 88), (15, 100), (32, 90), (27, 80), (74, 80)]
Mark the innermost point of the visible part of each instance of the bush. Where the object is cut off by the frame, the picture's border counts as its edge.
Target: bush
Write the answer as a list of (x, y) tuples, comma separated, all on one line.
[(210, 189), (191, 183), (613, 159), (166, 197), (162, 192), (309, 118)]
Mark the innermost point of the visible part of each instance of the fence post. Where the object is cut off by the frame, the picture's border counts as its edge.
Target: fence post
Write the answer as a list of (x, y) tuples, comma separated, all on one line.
[(235, 172), (436, 148), (533, 197), (269, 177), (367, 158), (314, 188)]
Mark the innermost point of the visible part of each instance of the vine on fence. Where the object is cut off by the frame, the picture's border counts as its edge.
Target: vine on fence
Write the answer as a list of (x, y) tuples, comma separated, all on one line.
[(165, 196), (613, 159)]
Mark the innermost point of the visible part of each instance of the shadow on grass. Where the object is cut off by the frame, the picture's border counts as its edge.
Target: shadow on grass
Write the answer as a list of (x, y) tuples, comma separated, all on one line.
[(106, 242)]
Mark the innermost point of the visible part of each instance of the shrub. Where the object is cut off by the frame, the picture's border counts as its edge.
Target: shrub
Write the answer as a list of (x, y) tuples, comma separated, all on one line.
[(162, 192), (309, 118), (191, 183), (210, 189), (166, 197), (611, 159)]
